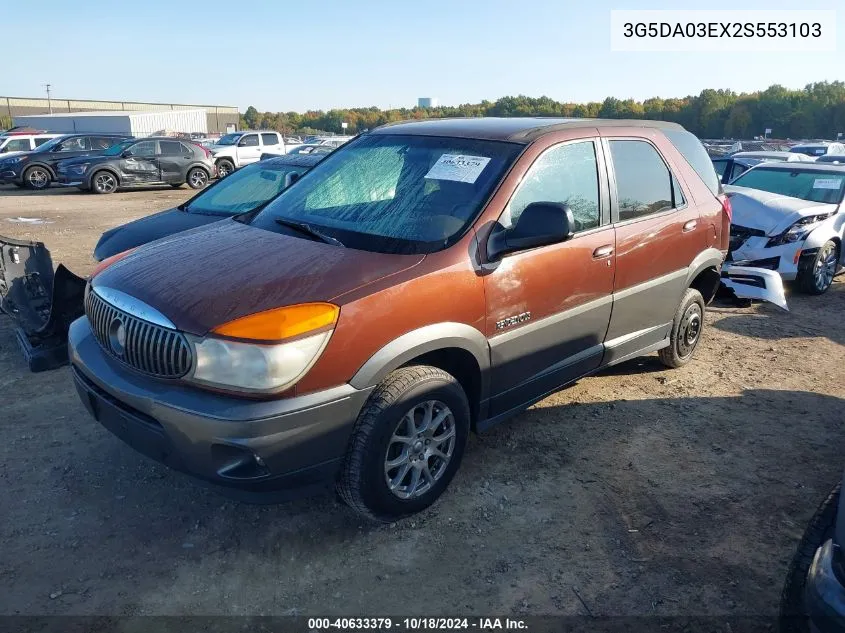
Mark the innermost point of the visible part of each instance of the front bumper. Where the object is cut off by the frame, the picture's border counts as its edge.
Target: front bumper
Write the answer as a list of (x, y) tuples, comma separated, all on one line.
[(256, 447), (784, 258), (824, 595), (9, 176)]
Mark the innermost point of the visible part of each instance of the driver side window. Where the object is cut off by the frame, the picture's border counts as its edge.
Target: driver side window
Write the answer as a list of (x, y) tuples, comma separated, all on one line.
[(567, 174)]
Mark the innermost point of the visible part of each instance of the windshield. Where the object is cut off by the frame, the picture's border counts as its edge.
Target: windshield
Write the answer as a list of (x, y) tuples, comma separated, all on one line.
[(813, 186), (117, 150), (229, 139), (395, 193), (243, 190)]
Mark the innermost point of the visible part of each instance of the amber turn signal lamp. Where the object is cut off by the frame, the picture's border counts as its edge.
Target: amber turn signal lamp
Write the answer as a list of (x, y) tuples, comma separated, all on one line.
[(281, 323), (108, 261)]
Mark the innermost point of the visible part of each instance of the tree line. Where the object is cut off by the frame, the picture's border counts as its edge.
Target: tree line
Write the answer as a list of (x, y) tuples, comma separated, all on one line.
[(816, 111)]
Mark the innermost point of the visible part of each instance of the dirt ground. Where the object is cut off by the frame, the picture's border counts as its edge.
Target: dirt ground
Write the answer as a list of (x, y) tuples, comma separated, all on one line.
[(642, 490)]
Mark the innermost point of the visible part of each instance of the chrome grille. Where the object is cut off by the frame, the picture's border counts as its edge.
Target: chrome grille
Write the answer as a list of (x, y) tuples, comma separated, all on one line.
[(149, 348)]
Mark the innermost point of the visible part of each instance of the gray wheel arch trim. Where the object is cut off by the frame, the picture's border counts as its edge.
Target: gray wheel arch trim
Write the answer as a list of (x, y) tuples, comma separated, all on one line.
[(708, 258), (429, 338)]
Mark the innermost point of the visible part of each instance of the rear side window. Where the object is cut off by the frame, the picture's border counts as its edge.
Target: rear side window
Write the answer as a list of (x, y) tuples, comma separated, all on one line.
[(695, 154), (40, 140), (270, 139), (103, 142), (643, 182), (170, 148)]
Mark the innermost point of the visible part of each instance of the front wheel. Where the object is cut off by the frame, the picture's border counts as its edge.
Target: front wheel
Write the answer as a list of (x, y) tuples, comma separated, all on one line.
[(407, 444), (36, 178), (687, 327), (197, 178), (104, 182), (816, 276), (224, 167)]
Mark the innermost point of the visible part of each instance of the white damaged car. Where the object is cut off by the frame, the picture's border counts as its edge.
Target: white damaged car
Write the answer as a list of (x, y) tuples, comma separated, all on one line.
[(787, 218)]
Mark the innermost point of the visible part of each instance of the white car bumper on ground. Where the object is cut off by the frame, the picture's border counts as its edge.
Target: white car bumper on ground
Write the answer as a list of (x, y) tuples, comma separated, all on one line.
[(748, 282)]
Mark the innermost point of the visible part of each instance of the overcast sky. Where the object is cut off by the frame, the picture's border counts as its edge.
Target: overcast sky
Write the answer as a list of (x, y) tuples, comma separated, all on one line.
[(293, 55)]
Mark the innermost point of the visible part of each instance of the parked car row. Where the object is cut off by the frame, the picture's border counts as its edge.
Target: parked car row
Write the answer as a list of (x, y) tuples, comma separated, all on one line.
[(105, 163)]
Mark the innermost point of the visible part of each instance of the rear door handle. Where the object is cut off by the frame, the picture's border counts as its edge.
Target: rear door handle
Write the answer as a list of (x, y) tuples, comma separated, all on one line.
[(690, 226), (603, 251)]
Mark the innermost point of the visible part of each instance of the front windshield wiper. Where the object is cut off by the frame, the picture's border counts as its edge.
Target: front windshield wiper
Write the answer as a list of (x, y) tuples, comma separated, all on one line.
[(307, 229)]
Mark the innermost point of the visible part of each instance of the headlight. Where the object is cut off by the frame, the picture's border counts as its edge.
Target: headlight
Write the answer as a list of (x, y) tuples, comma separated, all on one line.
[(798, 231), (79, 169), (281, 346)]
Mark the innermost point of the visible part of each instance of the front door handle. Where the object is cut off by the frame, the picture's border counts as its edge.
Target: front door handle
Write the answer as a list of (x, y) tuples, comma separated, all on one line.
[(603, 251), (690, 226)]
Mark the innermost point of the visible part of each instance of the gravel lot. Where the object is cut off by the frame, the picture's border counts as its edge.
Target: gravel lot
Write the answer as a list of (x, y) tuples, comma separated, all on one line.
[(644, 491)]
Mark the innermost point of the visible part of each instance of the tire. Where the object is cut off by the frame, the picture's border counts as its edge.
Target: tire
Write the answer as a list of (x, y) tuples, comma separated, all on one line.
[(815, 276), (197, 178), (104, 182), (792, 616), (37, 178), (224, 167), (404, 400), (687, 327)]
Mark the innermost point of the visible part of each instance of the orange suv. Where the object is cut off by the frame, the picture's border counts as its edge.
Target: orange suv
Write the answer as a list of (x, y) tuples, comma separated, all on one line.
[(426, 279)]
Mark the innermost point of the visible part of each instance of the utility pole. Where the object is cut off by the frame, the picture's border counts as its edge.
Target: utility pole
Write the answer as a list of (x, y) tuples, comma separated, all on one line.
[(49, 103)]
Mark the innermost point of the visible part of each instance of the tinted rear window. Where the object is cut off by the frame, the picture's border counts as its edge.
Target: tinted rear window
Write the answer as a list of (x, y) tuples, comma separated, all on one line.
[(695, 154)]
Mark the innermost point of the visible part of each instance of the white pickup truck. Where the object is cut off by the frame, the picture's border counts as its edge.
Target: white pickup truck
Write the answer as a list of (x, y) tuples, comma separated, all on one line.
[(242, 148)]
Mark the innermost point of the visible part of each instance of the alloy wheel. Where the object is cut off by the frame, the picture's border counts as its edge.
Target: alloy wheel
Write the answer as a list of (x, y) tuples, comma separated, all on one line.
[(105, 183), (37, 178), (825, 267), (198, 179), (420, 449)]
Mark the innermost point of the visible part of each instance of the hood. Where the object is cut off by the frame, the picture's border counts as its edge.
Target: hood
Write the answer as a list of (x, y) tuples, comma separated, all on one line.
[(6, 155), (227, 270), (149, 229), (216, 149), (770, 212)]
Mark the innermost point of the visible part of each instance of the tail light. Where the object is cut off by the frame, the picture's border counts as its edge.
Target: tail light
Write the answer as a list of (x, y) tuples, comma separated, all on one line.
[(726, 208), (205, 150)]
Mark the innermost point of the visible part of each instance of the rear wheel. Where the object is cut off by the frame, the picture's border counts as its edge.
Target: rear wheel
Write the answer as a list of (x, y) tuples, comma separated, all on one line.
[(816, 276), (687, 327), (407, 444), (225, 167), (197, 178), (104, 182), (36, 178)]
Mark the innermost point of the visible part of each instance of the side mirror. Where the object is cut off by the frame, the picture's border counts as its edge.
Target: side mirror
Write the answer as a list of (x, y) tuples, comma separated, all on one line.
[(126, 154), (291, 178), (540, 224)]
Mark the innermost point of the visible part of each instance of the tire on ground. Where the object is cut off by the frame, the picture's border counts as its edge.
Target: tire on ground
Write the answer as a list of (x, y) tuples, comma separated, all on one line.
[(680, 350), (363, 481), (806, 278), (792, 614)]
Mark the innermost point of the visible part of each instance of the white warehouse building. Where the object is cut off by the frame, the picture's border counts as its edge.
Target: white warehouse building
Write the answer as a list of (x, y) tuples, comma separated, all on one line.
[(130, 122)]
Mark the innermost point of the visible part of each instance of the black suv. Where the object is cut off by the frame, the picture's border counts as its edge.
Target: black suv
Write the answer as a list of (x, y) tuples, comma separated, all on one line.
[(37, 169), (139, 162)]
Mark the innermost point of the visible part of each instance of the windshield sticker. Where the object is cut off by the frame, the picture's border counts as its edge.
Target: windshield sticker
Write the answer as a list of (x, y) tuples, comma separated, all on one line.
[(827, 183), (458, 167)]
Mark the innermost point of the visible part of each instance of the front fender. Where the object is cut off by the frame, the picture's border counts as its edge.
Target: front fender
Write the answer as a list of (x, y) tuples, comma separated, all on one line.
[(424, 340), (830, 229)]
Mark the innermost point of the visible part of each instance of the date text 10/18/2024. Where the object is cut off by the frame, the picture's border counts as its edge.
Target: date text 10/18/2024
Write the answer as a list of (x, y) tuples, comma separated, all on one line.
[(416, 624)]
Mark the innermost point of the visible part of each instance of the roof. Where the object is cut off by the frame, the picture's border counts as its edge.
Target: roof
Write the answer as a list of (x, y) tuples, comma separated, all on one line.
[(761, 154), (514, 129)]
